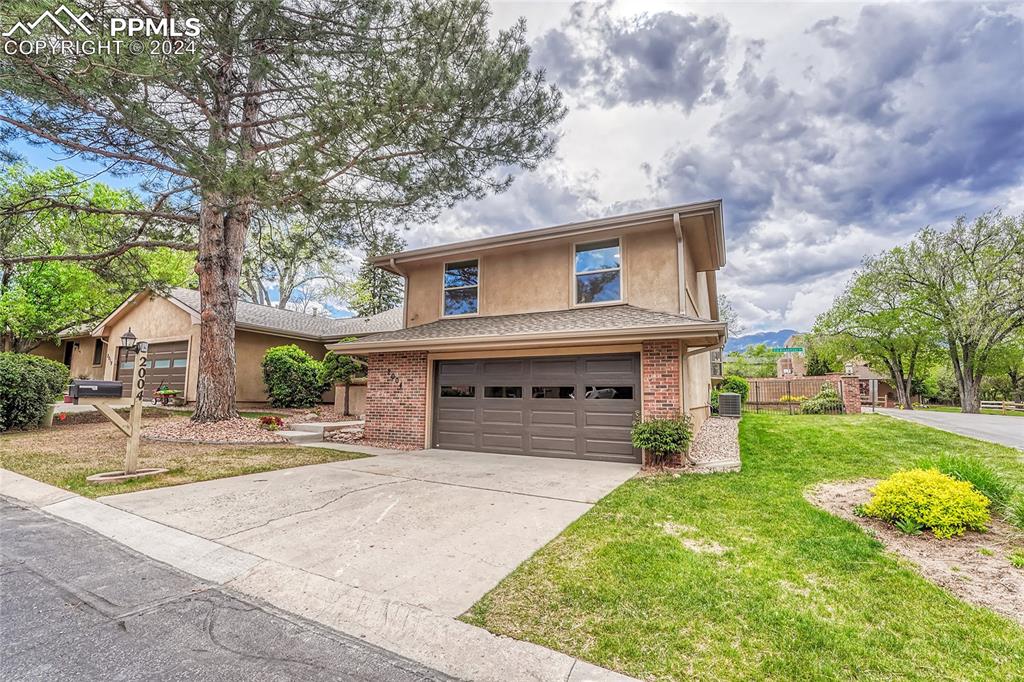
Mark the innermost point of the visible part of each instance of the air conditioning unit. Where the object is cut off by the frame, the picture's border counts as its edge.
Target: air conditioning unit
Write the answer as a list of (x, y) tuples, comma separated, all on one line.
[(729, 405)]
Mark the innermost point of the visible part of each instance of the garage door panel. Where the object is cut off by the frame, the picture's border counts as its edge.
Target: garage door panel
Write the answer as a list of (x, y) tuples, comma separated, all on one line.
[(502, 441), (536, 406), (456, 439), (607, 447), (553, 418), (491, 416), (456, 414), (566, 446), (167, 366), (618, 419)]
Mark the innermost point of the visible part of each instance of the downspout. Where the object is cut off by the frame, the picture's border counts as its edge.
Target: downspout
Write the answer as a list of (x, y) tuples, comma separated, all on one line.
[(682, 263)]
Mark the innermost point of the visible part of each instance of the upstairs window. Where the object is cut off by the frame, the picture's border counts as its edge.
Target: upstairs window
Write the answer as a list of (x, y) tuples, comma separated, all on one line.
[(461, 288), (598, 272)]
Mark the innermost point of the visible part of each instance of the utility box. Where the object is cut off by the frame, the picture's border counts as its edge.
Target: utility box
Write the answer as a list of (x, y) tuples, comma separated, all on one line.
[(89, 388), (729, 405)]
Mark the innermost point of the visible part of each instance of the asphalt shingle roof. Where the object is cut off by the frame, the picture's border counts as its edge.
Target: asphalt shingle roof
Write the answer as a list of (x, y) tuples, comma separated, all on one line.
[(301, 324), (577, 319)]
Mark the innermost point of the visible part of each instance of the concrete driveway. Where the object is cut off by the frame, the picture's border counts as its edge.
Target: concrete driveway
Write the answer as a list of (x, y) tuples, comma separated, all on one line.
[(433, 528), (1006, 430)]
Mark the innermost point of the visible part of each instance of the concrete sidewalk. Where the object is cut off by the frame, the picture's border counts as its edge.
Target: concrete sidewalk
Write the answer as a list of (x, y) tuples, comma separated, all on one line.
[(437, 641)]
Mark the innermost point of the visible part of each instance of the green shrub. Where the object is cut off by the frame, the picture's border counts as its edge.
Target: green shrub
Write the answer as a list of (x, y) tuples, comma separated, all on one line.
[(928, 498), (826, 402), (29, 384), (978, 473), (735, 384), (1017, 558), (293, 378), (662, 437), (341, 369), (714, 400)]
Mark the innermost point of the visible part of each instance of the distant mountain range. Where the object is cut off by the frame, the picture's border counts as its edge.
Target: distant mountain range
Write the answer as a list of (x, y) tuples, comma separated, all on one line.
[(770, 339)]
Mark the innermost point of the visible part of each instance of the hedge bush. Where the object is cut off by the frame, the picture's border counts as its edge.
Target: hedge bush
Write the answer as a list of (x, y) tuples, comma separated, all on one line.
[(29, 384), (735, 384), (826, 402), (293, 377), (928, 498), (662, 437)]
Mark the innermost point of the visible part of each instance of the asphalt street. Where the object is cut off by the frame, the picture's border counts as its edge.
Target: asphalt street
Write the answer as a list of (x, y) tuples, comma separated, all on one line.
[(77, 606)]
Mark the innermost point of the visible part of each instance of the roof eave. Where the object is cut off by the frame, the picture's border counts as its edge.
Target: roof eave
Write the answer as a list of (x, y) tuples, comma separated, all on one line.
[(714, 207), (576, 337)]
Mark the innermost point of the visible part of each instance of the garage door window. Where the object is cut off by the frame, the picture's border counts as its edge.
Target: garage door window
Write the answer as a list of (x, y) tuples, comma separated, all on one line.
[(503, 391), (458, 391), (461, 288), (554, 392), (598, 270), (609, 392)]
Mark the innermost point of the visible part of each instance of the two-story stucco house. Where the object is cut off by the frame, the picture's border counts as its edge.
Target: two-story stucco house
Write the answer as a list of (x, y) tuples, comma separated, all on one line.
[(547, 342)]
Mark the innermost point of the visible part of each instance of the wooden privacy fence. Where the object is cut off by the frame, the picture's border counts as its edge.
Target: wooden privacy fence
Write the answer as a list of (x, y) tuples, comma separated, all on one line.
[(787, 395)]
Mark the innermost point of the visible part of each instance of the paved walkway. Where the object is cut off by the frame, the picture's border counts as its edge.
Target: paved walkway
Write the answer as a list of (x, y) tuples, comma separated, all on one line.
[(1006, 430), (77, 605)]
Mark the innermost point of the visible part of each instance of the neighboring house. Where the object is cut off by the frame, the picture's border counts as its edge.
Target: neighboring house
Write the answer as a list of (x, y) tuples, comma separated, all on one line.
[(872, 384), (547, 342), (170, 322)]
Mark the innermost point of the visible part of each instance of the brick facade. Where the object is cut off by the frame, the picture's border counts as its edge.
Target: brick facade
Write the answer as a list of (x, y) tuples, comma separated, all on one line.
[(662, 390), (396, 398), (851, 394)]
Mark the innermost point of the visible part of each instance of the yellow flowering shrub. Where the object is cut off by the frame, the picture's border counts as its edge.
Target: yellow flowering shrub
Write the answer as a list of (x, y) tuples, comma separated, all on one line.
[(931, 499)]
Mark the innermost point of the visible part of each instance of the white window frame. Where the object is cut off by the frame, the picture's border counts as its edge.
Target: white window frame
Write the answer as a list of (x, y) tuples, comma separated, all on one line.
[(574, 274), (477, 286)]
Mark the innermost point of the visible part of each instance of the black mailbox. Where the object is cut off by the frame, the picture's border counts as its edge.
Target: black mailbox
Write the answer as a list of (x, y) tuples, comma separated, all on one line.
[(88, 388)]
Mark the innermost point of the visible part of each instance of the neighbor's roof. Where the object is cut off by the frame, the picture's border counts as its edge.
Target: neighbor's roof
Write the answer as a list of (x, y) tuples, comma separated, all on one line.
[(578, 325), (255, 317), (708, 212), (266, 318)]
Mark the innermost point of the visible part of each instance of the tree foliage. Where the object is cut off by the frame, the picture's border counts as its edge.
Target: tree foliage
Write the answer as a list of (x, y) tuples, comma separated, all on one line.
[(876, 319), (298, 258), (371, 110), (41, 292), (970, 282), (375, 290)]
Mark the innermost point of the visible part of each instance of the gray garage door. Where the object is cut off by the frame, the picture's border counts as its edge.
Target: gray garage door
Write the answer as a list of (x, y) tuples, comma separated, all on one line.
[(580, 406), (168, 365)]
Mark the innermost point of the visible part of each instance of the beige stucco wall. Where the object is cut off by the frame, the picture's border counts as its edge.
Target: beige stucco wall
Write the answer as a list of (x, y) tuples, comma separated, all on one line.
[(356, 399), (50, 351), (250, 347), (538, 277), (81, 356)]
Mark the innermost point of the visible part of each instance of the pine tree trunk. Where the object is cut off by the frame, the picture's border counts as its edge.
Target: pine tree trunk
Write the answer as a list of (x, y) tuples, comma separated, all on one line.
[(221, 244), (347, 387)]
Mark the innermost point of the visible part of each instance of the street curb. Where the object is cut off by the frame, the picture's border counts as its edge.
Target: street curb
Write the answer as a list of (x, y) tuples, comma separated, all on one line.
[(432, 639)]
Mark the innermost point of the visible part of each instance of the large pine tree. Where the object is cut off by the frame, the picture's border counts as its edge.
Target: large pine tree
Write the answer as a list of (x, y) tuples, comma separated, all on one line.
[(360, 109)]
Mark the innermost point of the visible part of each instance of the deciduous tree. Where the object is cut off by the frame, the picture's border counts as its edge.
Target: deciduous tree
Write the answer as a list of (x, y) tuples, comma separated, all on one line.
[(970, 281)]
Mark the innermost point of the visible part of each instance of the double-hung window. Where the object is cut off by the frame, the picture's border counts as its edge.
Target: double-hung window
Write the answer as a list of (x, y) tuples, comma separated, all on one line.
[(461, 288), (598, 272)]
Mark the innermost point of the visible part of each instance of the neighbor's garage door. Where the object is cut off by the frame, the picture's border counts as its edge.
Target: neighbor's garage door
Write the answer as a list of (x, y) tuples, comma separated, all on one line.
[(168, 365), (580, 407)]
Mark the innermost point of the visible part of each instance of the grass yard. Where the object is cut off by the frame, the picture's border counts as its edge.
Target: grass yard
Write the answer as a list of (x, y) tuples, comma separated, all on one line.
[(64, 455), (766, 586), (947, 408)]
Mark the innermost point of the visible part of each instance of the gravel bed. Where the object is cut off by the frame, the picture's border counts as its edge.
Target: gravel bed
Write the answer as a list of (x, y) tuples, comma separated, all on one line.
[(717, 441), (239, 430), (354, 436)]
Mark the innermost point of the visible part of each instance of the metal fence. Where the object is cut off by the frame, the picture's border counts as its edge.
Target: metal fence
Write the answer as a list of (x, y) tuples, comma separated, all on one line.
[(788, 395)]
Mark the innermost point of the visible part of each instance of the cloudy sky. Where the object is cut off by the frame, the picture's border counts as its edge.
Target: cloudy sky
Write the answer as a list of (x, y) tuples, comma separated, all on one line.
[(831, 131)]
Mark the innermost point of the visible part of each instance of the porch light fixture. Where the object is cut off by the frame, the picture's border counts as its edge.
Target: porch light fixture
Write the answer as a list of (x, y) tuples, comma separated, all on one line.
[(128, 339)]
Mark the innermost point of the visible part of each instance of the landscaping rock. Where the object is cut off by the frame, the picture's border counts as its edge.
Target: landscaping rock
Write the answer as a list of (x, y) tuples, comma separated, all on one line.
[(229, 431)]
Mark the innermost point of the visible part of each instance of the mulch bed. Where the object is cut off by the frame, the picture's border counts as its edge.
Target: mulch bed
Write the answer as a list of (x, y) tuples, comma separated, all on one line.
[(95, 417), (241, 431), (974, 566)]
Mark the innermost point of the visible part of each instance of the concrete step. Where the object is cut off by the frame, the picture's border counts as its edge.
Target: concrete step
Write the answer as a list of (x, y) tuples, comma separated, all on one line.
[(302, 436), (320, 427)]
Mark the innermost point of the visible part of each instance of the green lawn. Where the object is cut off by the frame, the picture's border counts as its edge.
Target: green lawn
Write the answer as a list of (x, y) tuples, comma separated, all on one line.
[(797, 595), (947, 408)]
